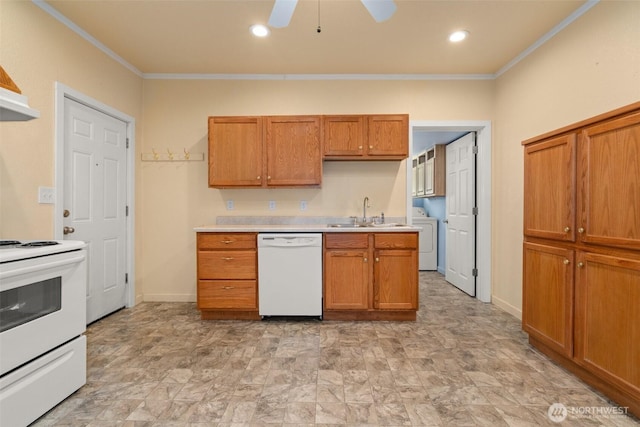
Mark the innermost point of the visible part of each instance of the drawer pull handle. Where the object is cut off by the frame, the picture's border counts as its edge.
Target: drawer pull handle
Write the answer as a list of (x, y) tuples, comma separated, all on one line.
[(227, 258), (227, 288), (226, 242)]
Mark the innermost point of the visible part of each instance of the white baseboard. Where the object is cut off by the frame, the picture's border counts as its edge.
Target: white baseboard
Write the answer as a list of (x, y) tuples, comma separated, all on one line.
[(512, 310), (169, 298)]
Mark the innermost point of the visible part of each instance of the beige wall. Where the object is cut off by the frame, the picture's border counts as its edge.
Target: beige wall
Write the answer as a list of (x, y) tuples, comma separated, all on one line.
[(37, 51), (175, 196), (591, 67)]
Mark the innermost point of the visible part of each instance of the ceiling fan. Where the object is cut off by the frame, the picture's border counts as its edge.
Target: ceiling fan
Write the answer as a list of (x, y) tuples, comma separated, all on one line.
[(380, 10)]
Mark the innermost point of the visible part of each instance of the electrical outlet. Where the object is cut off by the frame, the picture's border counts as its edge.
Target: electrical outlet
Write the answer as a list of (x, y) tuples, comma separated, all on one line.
[(303, 205), (229, 205), (46, 195), (272, 205)]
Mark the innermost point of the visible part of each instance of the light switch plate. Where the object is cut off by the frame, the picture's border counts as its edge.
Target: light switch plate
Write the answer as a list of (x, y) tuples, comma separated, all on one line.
[(303, 205), (46, 195), (230, 205), (272, 205)]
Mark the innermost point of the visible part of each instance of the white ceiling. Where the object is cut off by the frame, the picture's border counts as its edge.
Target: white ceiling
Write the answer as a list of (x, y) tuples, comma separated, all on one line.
[(212, 36)]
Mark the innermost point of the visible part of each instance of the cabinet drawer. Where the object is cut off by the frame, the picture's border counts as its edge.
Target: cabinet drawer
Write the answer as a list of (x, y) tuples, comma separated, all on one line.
[(346, 240), (396, 240), (227, 264), (227, 294), (226, 241)]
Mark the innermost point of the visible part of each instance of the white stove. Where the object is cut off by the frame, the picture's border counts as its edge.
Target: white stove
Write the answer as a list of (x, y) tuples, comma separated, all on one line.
[(42, 324)]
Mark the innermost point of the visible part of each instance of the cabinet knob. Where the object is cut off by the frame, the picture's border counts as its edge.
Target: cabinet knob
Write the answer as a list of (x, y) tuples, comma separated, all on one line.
[(268, 176), (566, 262), (580, 264), (581, 230), (258, 177), (567, 229), (377, 259), (360, 147), (370, 147), (365, 259)]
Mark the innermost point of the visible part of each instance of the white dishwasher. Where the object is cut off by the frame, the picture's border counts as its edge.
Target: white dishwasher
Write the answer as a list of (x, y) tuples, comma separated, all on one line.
[(290, 274)]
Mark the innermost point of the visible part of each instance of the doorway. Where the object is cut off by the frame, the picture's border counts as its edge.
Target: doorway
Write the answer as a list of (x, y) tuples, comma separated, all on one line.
[(94, 195), (483, 190)]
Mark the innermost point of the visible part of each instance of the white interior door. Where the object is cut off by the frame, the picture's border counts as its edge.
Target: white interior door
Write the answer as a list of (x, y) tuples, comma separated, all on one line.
[(95, 195), (460, 203)]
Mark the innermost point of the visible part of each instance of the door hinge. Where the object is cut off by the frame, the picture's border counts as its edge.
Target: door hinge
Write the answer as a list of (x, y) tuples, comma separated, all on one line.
[(474, 272), (126, 278), (127, 142), (475, 149), (126, 210), (474, 211)]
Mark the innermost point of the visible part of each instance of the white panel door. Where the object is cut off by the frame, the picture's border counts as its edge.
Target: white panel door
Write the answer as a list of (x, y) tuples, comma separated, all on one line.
[(95, 179), (460, 243)]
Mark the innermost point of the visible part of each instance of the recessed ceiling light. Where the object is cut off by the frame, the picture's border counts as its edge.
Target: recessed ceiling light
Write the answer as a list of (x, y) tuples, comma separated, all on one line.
[(259, 30), (458, 36)]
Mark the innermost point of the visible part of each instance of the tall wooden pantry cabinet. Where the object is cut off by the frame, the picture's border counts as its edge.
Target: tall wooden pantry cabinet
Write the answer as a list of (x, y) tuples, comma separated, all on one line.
[(581, 265)]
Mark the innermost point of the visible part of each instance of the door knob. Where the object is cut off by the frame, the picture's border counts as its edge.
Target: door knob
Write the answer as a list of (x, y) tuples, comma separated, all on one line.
[(446, 221), (68, 230), (66, 213)]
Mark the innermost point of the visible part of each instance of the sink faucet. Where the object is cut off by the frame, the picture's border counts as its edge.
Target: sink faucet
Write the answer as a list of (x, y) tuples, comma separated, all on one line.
[(365, 205)]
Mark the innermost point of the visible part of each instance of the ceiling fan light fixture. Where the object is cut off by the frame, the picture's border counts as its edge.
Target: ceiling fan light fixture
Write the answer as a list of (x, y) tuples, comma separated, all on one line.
[(260, 30), (458, 36)]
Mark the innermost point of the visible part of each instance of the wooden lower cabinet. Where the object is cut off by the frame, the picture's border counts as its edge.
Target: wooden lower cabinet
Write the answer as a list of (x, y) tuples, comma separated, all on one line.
[(607, 341), (370, 276), (547, 309), (227, 275)]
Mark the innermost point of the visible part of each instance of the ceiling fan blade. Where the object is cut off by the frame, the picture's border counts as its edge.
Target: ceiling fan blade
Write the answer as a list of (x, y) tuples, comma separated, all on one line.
[(282, 13), (381, 10)]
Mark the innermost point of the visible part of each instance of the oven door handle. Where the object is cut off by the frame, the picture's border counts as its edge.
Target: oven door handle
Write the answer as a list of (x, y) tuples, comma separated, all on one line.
[(41, 267)]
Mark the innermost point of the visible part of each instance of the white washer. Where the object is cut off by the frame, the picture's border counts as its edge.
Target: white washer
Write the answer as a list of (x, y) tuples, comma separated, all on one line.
[(428, 239)]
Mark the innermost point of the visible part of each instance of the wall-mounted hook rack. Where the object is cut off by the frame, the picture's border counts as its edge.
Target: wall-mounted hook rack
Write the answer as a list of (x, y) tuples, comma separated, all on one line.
[(170, 156)]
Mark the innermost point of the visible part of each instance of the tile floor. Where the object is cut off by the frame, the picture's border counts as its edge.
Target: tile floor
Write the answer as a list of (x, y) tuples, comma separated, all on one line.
[(462, 363)]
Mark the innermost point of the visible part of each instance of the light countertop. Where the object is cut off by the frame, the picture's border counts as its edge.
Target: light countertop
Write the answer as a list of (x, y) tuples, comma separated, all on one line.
[(299, 224)]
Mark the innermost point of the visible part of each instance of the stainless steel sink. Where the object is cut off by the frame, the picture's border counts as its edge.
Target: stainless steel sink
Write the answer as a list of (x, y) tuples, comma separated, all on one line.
[(372, 225)]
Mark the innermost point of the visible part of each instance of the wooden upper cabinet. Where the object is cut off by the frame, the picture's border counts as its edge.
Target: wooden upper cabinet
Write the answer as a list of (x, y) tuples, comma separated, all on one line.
[(294, 154), (549, 188), (265, 151), (235, 151), (388, 135), (366, 137), (609, 188), (344, 135)]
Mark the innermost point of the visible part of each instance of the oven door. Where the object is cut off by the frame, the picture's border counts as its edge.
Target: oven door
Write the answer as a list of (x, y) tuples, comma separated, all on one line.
[(42, 305)]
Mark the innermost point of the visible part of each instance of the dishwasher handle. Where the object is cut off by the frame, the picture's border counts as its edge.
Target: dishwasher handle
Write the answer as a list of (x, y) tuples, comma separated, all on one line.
[(284, 241)]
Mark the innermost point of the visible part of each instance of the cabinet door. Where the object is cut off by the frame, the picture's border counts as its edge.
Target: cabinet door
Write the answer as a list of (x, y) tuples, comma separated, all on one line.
[(388, 135), (608, 318), (235, 151), (547, 300), (429, 177), (609, 195), (346, 281), (549, 188), (395, 279), (421, 176), (294, 156), (343, 135)]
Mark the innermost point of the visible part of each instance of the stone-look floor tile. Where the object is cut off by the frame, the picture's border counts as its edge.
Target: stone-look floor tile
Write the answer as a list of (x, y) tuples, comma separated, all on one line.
[(486, 415), (300, 413), (331, 413), (360, 414), (330, 393), (392, 414), (423, 414), (239, 412)]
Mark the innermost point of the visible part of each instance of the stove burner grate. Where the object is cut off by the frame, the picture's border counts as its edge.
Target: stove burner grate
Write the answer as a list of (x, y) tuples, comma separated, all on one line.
[(38, 244)]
